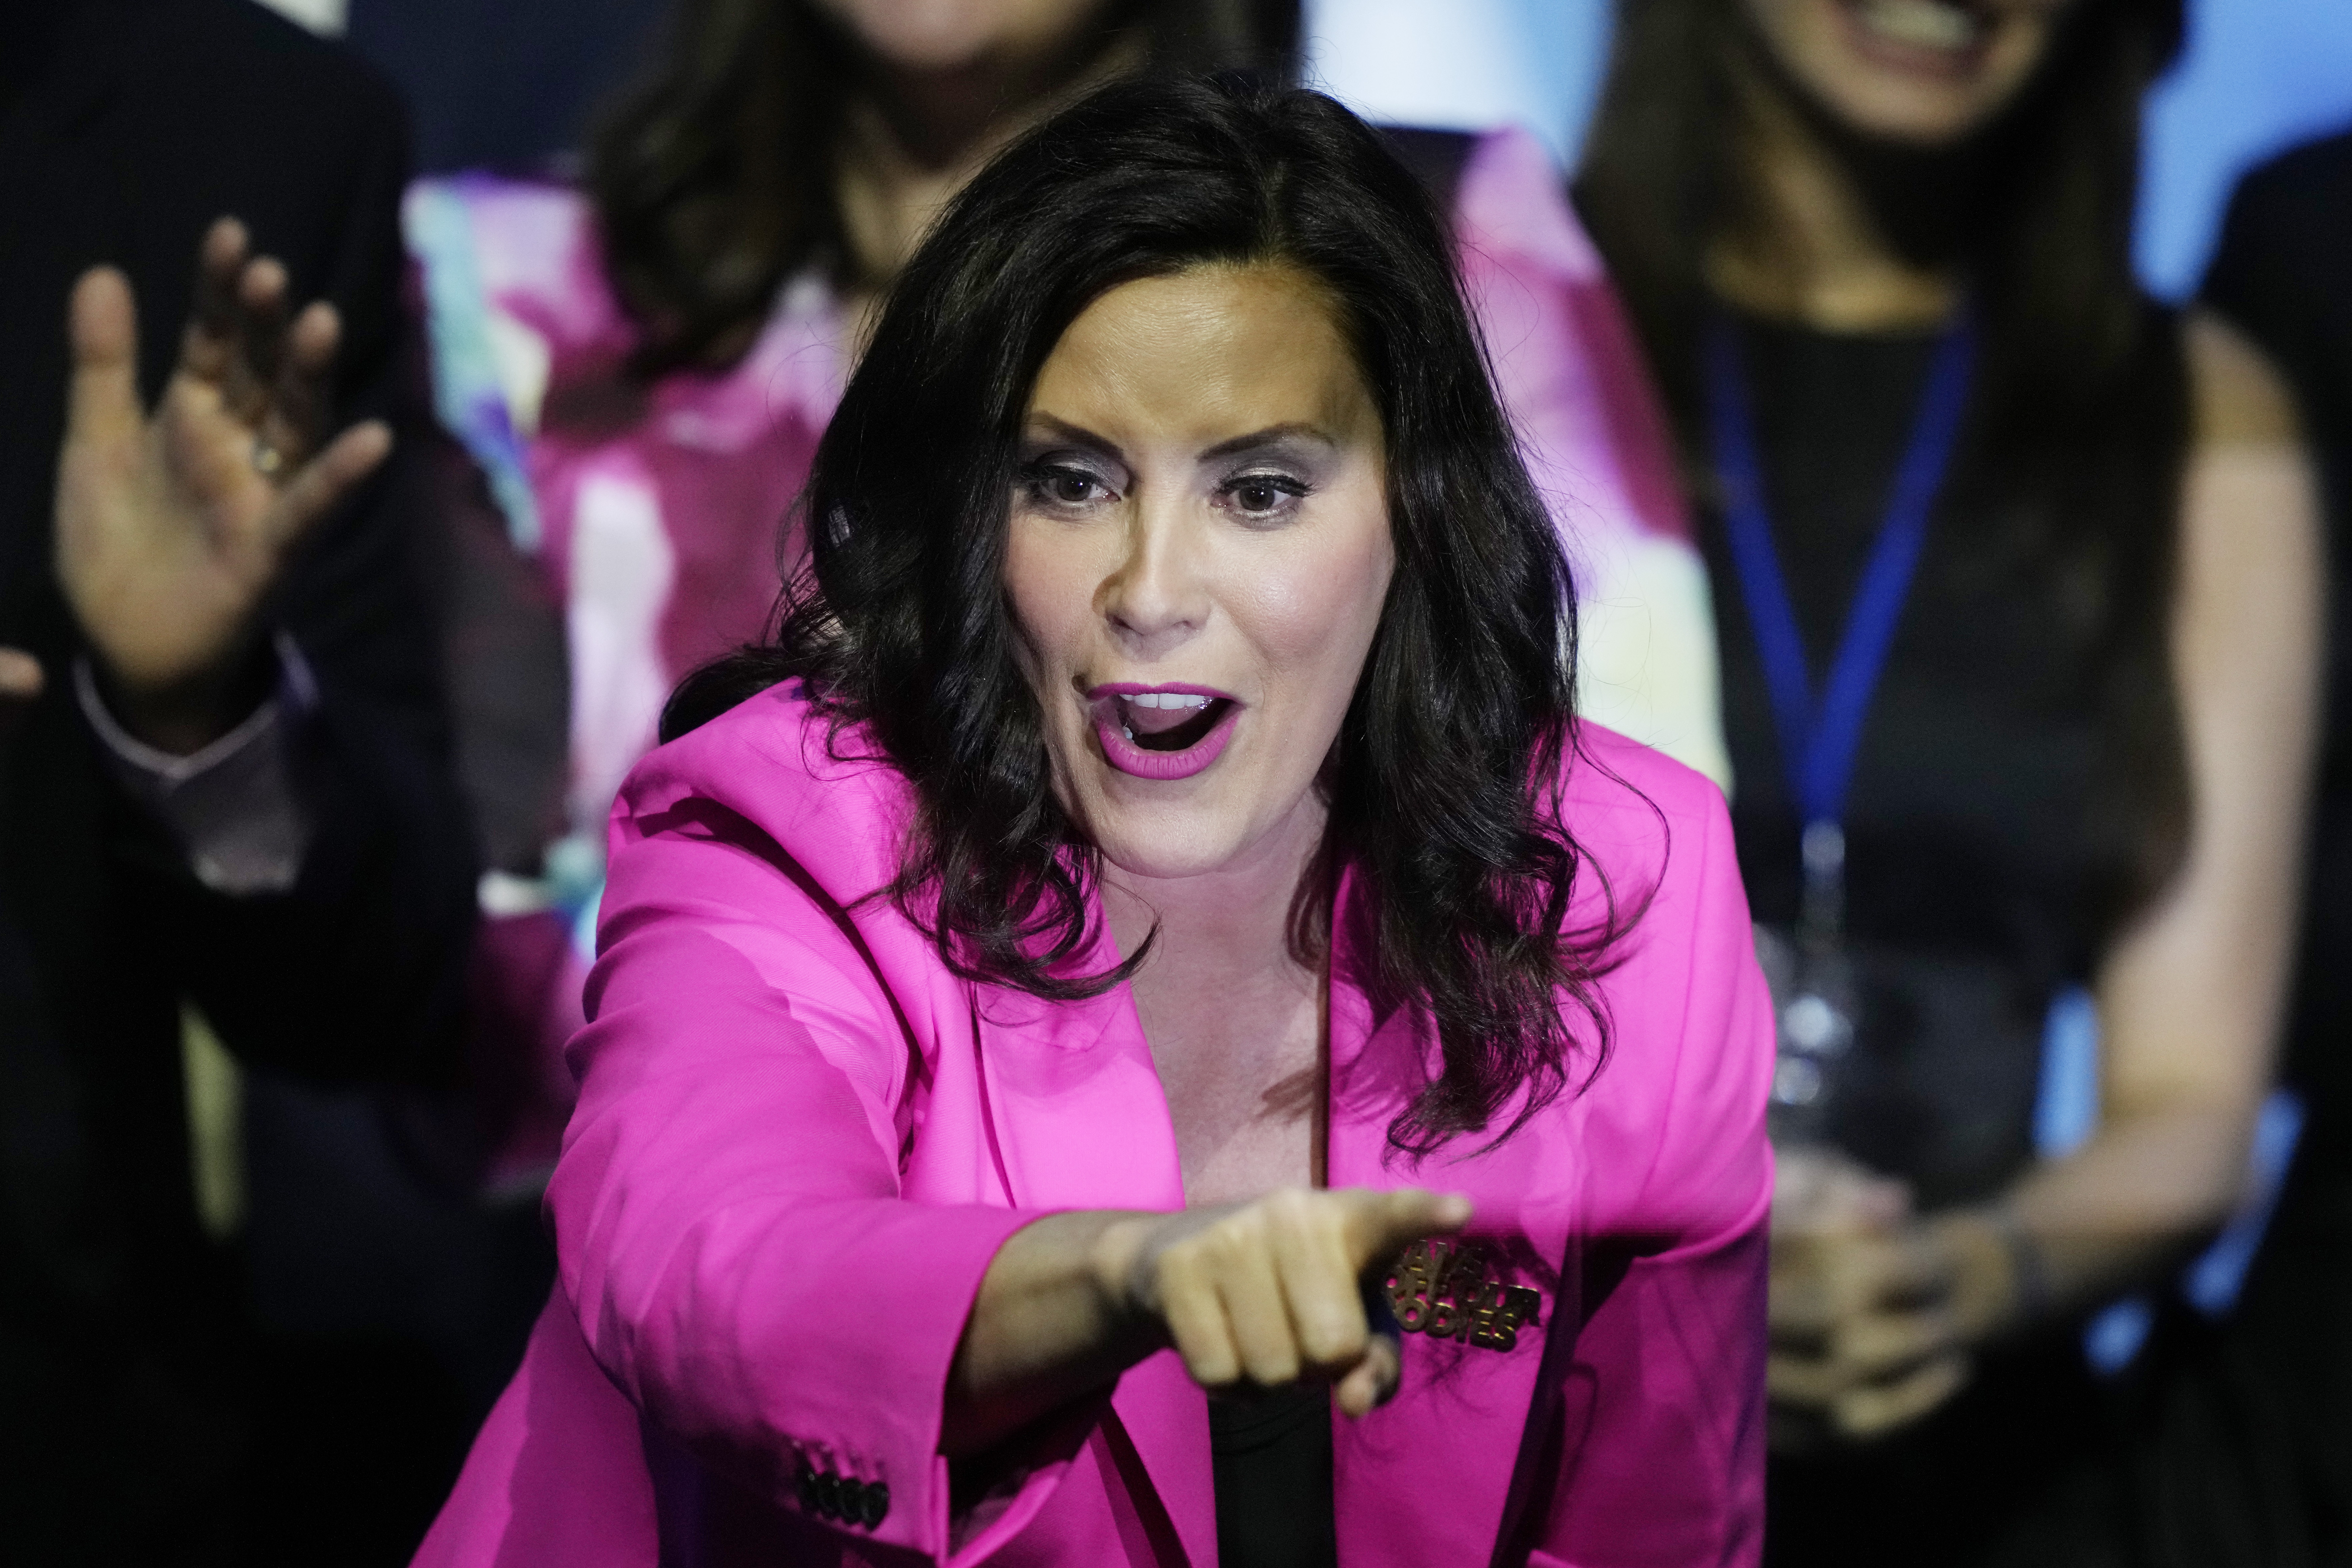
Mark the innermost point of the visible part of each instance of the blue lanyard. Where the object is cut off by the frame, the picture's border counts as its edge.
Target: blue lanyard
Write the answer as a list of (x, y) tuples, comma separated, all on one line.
[(1819, 738)]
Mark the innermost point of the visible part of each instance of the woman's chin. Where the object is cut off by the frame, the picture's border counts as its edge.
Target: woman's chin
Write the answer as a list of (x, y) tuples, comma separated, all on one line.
[(1217, 818), (1167, 850), (1232, 833)]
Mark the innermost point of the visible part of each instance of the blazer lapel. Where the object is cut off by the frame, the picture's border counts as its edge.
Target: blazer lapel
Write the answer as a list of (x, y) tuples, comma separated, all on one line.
[(1427, 1476), (1081, 1121), (1076, 1102), (1166, 1416)]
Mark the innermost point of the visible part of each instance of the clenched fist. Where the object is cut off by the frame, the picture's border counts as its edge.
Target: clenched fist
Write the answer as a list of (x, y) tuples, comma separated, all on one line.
[(1271, 1291), (1254, 1294)]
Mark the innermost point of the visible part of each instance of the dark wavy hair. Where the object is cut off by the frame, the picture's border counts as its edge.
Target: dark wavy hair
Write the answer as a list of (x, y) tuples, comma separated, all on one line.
[(2080, 433), (1442, 783), (712, 171)]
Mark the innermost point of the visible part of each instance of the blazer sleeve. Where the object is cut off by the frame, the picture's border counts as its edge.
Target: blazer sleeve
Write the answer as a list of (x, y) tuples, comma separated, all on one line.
[(1669, 1367), (728, 1207)]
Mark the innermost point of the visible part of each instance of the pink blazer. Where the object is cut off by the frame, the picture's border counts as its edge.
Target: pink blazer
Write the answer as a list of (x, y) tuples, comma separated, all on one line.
[(800, 1139)]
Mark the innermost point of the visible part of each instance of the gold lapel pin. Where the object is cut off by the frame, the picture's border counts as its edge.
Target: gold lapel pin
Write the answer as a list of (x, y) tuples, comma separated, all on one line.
[(1443, 1290)]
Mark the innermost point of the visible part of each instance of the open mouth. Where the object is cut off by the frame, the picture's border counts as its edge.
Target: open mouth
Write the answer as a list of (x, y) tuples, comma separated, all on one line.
[(1171, 721), (1162, 732)]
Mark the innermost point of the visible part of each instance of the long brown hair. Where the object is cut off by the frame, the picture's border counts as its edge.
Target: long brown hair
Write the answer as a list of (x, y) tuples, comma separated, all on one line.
[(2081, 427), (711, 175)]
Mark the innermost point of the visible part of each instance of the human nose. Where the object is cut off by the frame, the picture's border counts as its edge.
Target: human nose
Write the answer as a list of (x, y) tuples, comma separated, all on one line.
[(1157, 598)]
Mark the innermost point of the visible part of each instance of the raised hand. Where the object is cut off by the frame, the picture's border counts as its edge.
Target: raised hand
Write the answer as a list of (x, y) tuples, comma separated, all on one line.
[(1268, 1292), (171, 528)]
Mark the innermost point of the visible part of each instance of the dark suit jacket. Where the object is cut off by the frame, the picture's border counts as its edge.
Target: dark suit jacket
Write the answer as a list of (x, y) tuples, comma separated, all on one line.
[(125, 127)]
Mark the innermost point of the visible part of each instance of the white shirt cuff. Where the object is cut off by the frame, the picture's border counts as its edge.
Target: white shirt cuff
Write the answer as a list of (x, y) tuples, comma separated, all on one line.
[(232, 806)]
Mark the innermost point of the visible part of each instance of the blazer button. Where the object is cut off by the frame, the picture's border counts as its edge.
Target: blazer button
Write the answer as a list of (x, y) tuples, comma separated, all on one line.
[(808, 1487), (877, 1503), (852, 1499), (828, 1494)]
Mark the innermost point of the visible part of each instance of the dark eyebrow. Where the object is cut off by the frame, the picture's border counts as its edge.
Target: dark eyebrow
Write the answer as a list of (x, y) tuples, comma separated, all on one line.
[(1272, 436), (1257, 440), (1079, 436)]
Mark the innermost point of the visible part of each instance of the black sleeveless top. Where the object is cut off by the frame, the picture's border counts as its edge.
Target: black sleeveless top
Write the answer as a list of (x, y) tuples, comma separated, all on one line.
[(1966, 873)]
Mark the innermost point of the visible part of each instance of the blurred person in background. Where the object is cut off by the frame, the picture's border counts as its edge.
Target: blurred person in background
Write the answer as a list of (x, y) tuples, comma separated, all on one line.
[(642, 367), (2283, 272), (2018, 575), (223, 786)]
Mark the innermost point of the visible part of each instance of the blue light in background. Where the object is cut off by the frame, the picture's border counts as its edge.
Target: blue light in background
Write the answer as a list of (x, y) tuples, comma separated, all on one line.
[(1465, 65), (2258, 76)]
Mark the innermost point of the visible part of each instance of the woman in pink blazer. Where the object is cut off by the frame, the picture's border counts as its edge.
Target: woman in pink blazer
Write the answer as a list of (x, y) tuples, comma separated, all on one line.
[(1139, 1029)]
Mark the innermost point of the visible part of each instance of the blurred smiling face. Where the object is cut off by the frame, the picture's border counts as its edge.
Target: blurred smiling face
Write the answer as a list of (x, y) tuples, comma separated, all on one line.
[(944, 35), (1925, 73), (1198, 556)]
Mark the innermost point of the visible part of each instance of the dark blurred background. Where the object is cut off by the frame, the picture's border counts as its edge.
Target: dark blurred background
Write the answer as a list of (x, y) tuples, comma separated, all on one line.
[(500, 83)]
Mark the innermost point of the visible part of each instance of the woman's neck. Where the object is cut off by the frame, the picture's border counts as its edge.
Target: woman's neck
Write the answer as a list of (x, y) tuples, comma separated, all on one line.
[(1809, 244), (1231, 1011), (1232, 925), (910, 139)]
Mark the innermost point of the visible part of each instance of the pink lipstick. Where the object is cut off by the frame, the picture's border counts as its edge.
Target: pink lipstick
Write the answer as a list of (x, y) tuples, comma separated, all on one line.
[(1165, 732)]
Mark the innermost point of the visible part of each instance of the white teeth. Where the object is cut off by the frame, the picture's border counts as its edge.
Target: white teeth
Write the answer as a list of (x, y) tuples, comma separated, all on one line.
[(1922, 23), (1168, 699)]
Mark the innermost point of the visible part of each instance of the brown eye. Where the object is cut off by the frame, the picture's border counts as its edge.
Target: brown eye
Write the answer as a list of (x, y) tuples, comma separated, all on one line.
[(1262, 497), (1060, 485), (1257, 495)]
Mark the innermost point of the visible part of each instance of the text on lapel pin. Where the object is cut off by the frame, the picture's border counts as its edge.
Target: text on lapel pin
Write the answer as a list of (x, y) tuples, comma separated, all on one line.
[(1443, 1290)]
